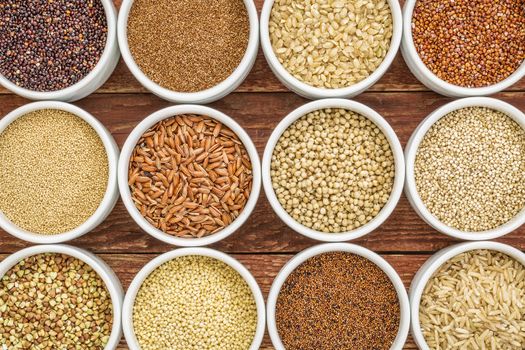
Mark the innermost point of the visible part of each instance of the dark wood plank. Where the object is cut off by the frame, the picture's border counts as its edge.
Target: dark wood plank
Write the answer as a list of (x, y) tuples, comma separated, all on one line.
[(259, 113), (263, 267), (261, 79)]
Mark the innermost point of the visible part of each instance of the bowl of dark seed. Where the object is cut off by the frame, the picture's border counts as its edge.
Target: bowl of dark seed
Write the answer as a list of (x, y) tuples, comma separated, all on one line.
[(59, 297), (194, 298), (338, 296), (189, 51), (59, 172), (333, 170), (466, 169), (57, 50), (465, 48), (189, 175)]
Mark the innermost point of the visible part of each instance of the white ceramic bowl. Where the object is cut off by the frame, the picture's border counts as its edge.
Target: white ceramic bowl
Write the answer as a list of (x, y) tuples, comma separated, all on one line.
[(432, 81), (91, 82), (129, 300), (111, 195), (99, 266), (300, 258), (397, 151), (411, 153), (201, 97), (312, 92), (433, 264), (135, 136)]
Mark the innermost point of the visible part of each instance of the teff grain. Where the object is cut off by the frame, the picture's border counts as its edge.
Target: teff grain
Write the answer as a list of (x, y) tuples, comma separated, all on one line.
[(54, 301), (470, 169), (337, 301), (188, 45), (331, 44), (194, 303), (54, 172), (333, 170)]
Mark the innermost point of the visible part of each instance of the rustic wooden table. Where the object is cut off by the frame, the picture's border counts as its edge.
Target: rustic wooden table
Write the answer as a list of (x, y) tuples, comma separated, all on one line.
[(264, 244)]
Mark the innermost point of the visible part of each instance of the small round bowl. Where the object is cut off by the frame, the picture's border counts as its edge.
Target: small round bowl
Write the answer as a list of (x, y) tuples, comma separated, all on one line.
[(399, 160), (129, 300), (296, 261), (99, 266), (91, 82), (110, 197), (127, 151), (432, 81), (411, 153), (311, 92), (433, 264), (201, 97)]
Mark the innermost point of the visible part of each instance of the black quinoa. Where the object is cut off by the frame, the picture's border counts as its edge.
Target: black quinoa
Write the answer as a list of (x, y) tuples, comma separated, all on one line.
[(49, 45)]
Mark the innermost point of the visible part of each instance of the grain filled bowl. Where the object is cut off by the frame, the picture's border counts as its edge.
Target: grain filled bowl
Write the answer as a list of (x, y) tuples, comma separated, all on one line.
[(178, 300), (189, 175), (41, 287), (59, 172), (338, 296), (333, 170), (463, 58), (189, 51), (481, 284), (57, 67), (330, 49), (465, 166)]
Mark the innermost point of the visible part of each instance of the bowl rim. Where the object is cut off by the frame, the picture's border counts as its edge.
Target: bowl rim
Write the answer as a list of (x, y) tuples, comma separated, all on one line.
[(297, 260), (98, 70), (313, 92), (410, 157), (109, 199), (395, 146), (168, 112), (129, 300), (111, 281), (208, 95), (455, 90), (436, 261)]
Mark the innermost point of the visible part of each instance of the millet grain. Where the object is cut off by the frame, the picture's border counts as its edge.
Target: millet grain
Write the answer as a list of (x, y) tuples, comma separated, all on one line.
[(188, 45)]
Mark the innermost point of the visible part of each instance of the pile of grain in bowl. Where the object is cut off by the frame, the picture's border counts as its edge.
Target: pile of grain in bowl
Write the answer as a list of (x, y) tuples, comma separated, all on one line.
[(470, 43), (194, 302), (190, 176), (470, 169), (188, 45), (54, 301), (476, 300), (333, 170), (331, 44), (54, 172), (50, 45), (335, 301)]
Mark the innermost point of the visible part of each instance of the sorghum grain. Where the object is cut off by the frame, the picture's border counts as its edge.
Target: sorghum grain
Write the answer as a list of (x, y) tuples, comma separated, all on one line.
[(333, 170), (194, 303), (54, 171), (54, 301), (337, 301), (475, 301), (188, 45), (470, 169), (50, 45), (190, 176), (470, 43), (331, 44)]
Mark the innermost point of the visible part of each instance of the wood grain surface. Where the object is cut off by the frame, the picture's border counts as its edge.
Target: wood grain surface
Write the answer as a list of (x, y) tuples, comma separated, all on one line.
[(264, 243)]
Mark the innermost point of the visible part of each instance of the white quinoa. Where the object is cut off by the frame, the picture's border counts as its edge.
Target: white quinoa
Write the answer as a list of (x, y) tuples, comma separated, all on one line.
[(470, 169), (54, 172), (194, 303)]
